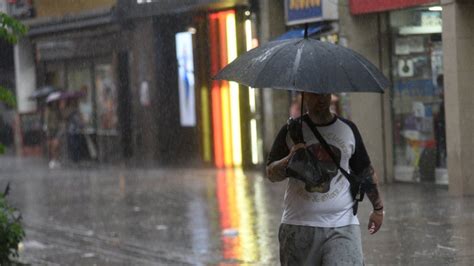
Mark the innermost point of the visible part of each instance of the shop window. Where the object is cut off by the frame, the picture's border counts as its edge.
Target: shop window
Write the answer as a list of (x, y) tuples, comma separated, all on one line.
[(79, 78), (55, 75), (106, 93), (417, 96)]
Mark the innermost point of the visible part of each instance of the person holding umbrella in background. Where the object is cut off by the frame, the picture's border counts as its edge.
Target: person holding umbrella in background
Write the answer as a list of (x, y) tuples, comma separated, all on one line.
[(321, 155), (76, 146), (54, 128), (63, 118)]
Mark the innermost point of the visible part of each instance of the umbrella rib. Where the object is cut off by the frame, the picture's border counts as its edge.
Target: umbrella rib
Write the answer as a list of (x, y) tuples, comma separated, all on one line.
[(296, 65), (348, 76), (347, 73), (366, 68), (345, 50), (270, 58), (329, 51)]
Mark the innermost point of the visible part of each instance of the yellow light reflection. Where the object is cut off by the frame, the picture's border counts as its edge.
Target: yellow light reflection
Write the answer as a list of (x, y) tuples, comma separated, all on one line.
[(226, 125), (263, 223), (231, 38), (244, 218), (234, 92), (248, 34), (254, 140), (252, 101), (249, 44), (235, 112), (206, 125), (248, 242)]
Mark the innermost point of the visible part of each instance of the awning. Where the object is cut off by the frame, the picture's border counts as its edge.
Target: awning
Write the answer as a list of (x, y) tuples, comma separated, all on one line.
[(142, 8), (53, 25), (299, 33)]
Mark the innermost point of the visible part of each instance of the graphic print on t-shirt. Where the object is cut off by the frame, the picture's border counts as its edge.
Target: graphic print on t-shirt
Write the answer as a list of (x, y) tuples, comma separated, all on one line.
[(328, 167)]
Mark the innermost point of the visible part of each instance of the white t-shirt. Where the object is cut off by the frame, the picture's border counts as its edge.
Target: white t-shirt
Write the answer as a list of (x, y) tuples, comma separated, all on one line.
[(332, 205)]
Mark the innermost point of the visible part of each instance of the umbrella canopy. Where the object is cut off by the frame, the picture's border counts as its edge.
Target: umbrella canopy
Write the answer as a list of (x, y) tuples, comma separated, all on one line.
[(55, 96), (305, 64), (72, 94), (42, 92)]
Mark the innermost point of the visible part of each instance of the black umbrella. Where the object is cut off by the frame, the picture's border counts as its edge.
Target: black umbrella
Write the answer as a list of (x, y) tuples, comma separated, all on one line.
[(305, 64)]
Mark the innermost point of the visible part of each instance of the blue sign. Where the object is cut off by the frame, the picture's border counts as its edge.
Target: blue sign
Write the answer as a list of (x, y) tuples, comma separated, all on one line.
[(303, 11), (421, 87)]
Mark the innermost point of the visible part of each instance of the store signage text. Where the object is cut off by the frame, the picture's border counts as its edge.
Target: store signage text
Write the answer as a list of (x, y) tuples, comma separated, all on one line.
[(302, 4), (303, 11)]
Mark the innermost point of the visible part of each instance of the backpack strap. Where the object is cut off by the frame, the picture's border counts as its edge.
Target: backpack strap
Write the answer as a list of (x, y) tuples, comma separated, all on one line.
[(356, 188)]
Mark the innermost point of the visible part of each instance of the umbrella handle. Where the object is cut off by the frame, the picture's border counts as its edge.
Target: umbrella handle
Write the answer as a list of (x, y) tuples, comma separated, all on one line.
[(302, 109)]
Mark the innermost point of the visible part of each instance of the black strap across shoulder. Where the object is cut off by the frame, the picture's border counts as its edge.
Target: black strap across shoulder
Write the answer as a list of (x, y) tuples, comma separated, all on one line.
[(356, 192), (326, 147)]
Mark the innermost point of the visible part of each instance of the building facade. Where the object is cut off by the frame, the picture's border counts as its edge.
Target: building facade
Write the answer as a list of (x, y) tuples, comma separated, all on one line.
[(74, 47), (145, 68)]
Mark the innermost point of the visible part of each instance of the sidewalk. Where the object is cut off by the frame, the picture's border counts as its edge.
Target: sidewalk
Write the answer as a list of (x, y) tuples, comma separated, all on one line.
[(118, 216)]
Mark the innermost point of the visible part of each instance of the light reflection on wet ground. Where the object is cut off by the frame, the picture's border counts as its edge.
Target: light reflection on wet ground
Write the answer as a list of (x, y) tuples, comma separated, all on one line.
[(119, 216)]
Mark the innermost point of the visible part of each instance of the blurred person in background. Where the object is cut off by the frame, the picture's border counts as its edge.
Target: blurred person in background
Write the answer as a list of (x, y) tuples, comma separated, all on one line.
[(54, 129), (74, 128)]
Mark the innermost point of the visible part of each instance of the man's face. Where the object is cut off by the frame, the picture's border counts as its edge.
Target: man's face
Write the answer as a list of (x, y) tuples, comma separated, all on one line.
[(317, 102)]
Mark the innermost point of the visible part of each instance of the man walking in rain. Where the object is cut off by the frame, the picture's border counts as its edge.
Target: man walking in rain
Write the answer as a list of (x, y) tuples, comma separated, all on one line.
[(319, 225)]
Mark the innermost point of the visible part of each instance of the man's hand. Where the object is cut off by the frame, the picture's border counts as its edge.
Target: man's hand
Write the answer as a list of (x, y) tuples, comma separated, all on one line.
[(276, 170), (375, 221), (295, 148)]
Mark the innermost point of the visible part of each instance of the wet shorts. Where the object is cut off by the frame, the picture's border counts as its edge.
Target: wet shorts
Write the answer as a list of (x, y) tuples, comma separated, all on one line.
[(307, 245)]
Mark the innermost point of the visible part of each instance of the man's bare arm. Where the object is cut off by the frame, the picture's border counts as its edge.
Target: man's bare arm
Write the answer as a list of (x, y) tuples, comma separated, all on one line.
[(372, 190), (276, 170)]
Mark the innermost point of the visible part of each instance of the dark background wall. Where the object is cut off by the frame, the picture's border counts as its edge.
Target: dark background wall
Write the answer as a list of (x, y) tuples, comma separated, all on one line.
[(7, 67), (176, 145)]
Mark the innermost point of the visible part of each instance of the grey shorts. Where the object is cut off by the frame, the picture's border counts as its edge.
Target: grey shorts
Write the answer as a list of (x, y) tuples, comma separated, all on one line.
[(307, 245)]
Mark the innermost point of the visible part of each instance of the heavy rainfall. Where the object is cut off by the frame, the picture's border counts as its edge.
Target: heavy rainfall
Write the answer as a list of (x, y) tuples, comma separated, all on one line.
[(236, 132)]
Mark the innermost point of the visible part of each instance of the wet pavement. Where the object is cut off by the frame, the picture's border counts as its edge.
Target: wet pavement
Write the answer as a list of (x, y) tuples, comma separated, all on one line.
[(117, 215)]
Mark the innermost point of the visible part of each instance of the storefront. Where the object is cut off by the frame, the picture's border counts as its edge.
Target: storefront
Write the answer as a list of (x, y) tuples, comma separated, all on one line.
[(228, 114), (83, 61), (417, 93), (203, 121), (234, 109)]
